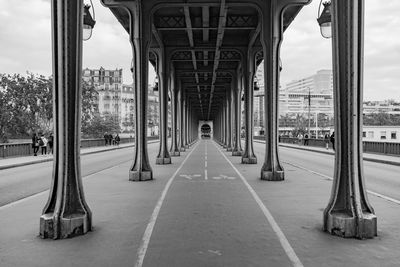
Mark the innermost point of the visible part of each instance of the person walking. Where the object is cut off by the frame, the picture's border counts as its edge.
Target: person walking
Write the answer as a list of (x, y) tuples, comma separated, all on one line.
[(50, 143), (300, 139), (306, 137), (333, 140), (43, 144), (117, 139), (326, 139), (106, 138), (35, 144)]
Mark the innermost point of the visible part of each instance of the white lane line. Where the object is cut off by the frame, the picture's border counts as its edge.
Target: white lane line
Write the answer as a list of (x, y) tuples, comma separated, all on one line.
[(331, 178), (281, 236), (205, 164), (205, 174), (150, 226)]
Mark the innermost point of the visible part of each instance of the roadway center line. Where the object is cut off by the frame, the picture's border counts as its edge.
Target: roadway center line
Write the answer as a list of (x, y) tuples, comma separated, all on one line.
[(331, 179), (205, 174), (150, 226), (281, 236)]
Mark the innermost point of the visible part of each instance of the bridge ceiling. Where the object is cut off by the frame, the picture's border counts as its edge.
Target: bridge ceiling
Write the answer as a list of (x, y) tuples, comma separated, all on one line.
[(205, 40)]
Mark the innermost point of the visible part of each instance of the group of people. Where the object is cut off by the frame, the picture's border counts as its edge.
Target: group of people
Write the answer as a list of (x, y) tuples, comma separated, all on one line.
[(109, 139), (303, 140), (40, 141)]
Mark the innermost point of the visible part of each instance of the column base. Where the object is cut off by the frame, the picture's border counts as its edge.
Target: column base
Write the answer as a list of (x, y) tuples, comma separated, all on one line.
[(140, 175), (163, 161), (183, 149), (237, 153), (272, 175), (70, 226), (175, 153), (343, 224), (229, 149), (187, 146), (249, 160)]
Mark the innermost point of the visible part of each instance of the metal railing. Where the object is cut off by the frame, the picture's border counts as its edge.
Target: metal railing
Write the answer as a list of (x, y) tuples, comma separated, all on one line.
[(386, 148), (25, 149)]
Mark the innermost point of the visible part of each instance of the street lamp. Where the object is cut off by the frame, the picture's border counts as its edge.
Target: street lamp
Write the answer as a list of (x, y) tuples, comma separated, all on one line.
[(256, 87), (309, 112), (88, 22), (324, 19), (155, 88)]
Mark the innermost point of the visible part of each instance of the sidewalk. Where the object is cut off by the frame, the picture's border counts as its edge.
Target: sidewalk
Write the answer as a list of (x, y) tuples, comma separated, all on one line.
[(27, 160), (379, 158)]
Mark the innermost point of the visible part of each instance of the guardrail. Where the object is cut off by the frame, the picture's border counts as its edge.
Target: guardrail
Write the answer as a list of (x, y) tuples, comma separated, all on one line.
[(25, 149), (368, 146)]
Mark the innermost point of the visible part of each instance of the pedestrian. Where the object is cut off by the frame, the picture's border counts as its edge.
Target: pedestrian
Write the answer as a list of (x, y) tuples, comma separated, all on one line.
[(326, 139), (333, 140), (300, 138), (110, 139), (106, 138), (50, 143), (306, 137), (35, 144), (43, 144), (117, 139)]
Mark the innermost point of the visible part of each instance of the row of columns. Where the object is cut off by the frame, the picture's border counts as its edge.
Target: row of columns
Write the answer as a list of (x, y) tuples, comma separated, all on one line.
[(348, 213)]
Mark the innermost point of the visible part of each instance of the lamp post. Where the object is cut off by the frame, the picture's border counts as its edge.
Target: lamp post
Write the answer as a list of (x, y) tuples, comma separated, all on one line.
[(309, 113)]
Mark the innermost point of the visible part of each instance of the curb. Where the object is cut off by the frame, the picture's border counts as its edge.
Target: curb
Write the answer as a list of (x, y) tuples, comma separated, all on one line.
[(51, 159), (332, 153)]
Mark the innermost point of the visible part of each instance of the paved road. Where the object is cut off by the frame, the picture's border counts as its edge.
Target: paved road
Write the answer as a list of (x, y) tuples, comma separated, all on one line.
[(205, 209), (20, 182)]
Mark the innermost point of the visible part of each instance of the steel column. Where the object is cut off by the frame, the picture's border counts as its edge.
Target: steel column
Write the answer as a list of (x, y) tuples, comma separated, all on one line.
[(66, 213), (229, 119), (349, 213), (237, 146), (272, 32), (174, 109), (163, 156), (248, 65)]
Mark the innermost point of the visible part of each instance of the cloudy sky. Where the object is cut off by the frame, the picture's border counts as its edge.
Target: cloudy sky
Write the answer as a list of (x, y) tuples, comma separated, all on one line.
[(25, 44)]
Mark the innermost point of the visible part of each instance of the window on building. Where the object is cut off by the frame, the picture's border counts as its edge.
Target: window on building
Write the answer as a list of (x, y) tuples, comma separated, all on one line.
[(106, 86), (106, 80), (96, 79), (107, 73), (106, 106), (96, 72), (383, 135), (364, 134), (371, 134), (393, 135)]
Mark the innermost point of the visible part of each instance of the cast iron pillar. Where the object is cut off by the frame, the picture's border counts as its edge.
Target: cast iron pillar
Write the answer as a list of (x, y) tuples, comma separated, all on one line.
[(237, 146), (223, 123), (182, 119), (349, 213), (174, 108), (228, 120), (186, 122), (163, 156), (272, 32), (140, 38), (66, 213), (248, 65)]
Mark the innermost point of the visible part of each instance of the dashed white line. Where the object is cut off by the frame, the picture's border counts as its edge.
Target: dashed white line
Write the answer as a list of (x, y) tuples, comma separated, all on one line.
[(150, 226), (205, 174), (331, 178), (281, 236)]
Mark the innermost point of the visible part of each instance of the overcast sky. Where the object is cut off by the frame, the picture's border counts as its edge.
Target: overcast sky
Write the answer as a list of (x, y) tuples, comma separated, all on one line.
[(25, 44)]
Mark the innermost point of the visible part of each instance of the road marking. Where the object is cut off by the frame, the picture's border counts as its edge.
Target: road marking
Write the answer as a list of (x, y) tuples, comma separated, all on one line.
[(205, 163), (150, 226), (331, 179), (223, 177), (281, 236), (205, 174)]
